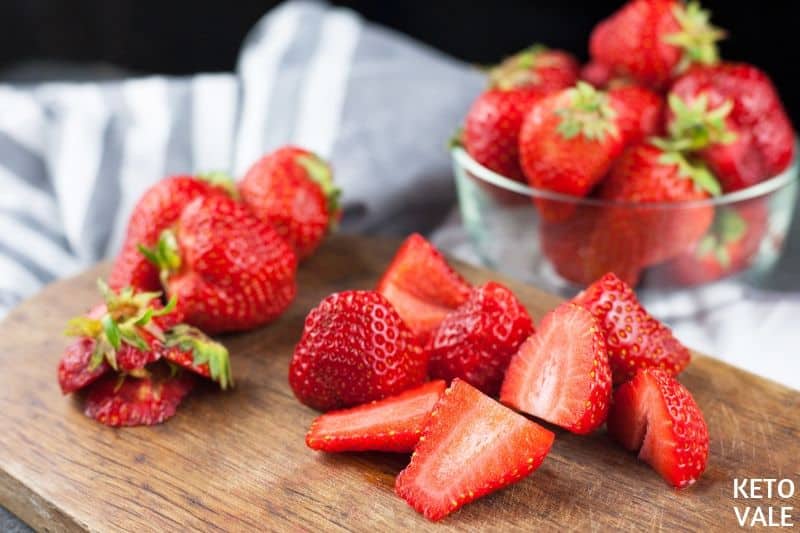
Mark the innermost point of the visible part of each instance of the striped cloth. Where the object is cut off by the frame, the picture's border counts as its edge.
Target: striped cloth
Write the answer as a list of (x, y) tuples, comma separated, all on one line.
[(75, 157)]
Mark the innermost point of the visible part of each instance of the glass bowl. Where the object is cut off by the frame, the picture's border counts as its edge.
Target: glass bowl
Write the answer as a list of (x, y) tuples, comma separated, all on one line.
[(562, 243)]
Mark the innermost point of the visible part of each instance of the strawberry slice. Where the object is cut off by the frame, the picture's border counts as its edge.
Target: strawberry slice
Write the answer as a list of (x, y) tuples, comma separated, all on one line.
[(393, 424), (655, 414), (75, 369), (192, 349), (421, 286), (127, 401), (561, 373), (634, 338), (471, 446)]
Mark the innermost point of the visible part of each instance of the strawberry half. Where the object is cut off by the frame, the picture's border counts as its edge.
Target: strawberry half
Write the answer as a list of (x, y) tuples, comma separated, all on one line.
[(421, 286), (634, 338), (355, 348), (393, 424), (127, 401), (471, 446), (476, 341), (655, 414), (561, 373)]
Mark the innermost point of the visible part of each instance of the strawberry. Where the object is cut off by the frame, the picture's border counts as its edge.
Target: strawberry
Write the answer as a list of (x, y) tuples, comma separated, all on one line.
[(651, 41), (157, 209), (634, 338), (292, 189), (733, 115), (393, 424), (190, 348), (655, 414), (421, 286), (228, 270), (596, 74), (648, 174), (355, 348), (568, 142), (639, 112), (537, 68), (471, 446), (561, 373), (729, 247), (476, 341), (75, 370), (127, 401), (567, 244)]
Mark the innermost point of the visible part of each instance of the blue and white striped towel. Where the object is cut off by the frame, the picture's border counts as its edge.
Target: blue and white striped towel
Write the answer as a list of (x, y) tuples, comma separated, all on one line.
[(75, 157)]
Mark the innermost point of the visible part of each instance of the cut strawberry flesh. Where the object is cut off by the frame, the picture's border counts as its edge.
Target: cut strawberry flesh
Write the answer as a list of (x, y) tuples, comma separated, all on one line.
[(471, 446), (656, 415), (421, 286), (74, 372), (561, 373), (393, 424)]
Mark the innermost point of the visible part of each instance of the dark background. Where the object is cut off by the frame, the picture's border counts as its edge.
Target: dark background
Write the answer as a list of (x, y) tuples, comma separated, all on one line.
[(181, 37)]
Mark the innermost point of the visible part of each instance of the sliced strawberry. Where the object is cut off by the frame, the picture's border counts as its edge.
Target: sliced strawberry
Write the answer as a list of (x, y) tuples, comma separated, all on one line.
[(393, 424), (190, 348), (471, 446), (655, 414), (75, 370), (634, 338), (421, 286), (128, 401), (561, 373)]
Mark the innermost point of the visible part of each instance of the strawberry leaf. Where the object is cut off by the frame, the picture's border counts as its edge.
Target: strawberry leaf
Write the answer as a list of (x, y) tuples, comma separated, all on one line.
[(204, 351), (697, 37), (111, 331)]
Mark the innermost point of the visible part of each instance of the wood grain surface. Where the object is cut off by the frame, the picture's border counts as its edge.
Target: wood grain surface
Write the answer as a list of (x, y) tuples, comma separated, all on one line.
[(237, 461)]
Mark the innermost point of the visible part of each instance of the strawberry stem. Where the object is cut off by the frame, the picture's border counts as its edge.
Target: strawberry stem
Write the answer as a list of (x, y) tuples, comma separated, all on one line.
[(518, 70), (165, 255), (204, 351), (588, 114), (220, 179), (697, 37), (695, 126)]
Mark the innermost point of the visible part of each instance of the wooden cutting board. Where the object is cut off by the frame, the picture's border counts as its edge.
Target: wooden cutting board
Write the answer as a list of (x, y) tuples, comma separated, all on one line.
[(237, 461)]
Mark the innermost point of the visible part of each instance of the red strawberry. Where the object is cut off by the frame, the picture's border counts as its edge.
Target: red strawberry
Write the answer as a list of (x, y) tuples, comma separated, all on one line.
[(729, 247), (75, 370), (561, 373), (190, 348), (596, 74), (393, 424), (292, 189), (567, 243), (228, 270), (476, 341), (733, 114), (653, 40), (639, 112), (355, 348), (568, 142), (421, 286), (471, 446), (159, 207), (491, 129), (633, 337), (647, 174), (656, 415), (538, 68), (127, 401)]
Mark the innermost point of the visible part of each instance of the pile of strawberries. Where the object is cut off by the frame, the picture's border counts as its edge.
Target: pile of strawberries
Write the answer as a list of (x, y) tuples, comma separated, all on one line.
[(224, 256), (366, 357), (655, 117)]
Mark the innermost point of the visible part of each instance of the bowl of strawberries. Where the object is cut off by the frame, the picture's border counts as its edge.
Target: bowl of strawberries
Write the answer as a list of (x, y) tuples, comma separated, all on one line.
[(657, 160)]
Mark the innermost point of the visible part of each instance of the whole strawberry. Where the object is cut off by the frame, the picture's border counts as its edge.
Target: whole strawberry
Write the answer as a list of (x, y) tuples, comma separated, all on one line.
[(157, 209), (651, 41), (476, 341), (640, 112), (292, 189), (634, 338), (491, 129), (733, 115), (228, 270), (648, 174), (568, 142), (355, 348)]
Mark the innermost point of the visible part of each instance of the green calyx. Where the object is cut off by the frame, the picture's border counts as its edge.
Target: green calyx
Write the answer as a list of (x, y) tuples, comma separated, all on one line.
[(728, 228), (204, 351), (321, 173), (696, 171), (518, 70), (457, 139), (697, 38), (127, 314), (588, 113), (222, 180), (165, 255), (695, 126)]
